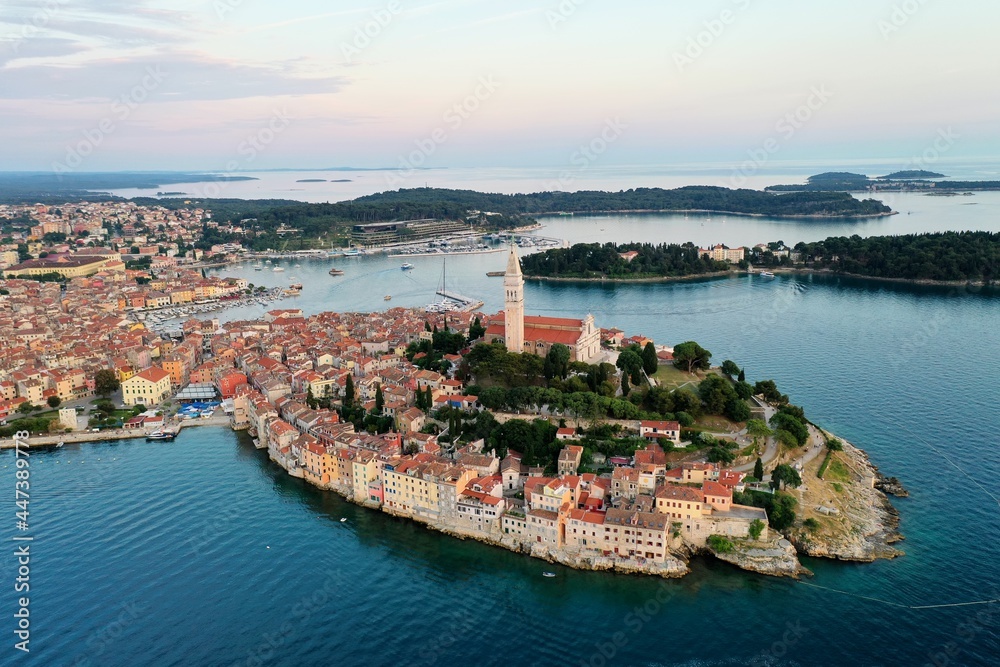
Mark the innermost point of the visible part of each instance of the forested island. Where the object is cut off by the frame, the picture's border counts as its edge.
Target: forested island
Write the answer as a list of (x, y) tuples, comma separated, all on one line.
[(942, 256), (939, 257), (901, 181), (615, 261)]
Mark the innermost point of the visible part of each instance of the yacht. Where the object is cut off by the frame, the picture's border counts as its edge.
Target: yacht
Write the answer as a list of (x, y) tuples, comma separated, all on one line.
[(278, 269), (336, 272), (407, 266), (766, 274), (161, 434)]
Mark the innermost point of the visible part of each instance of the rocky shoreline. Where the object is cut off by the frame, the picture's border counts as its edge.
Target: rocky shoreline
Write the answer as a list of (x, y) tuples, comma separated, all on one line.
[(869, 522)]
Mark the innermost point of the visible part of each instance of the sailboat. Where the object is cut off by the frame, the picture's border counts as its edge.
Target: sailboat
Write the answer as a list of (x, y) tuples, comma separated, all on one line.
[(444, 305)]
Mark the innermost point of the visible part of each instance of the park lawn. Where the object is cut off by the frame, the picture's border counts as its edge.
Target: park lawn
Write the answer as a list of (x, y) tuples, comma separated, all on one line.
[(671, 378), (837, 471)]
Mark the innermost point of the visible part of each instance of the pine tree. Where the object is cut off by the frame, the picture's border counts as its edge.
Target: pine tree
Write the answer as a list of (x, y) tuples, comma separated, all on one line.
[(349, 392)]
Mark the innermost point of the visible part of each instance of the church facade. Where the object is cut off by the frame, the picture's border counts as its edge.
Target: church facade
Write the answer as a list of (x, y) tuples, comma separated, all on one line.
[(534, 334)]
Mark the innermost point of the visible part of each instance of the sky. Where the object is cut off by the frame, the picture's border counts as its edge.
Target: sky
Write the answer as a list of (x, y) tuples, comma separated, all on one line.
[(217, 85)]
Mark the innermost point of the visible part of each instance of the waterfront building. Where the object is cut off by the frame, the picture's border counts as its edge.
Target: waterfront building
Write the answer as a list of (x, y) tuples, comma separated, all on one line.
[(148, 387)]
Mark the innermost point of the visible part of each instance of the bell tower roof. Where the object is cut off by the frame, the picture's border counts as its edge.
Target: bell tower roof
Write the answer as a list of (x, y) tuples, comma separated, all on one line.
[(513, 263)]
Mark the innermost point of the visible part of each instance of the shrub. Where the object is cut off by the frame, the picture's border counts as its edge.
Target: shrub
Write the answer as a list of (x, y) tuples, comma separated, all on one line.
[(756, 528), (720, 544)]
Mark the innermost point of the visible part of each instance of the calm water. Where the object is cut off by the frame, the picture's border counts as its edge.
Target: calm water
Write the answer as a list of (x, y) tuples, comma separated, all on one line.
[(157, 554), (286, 185)]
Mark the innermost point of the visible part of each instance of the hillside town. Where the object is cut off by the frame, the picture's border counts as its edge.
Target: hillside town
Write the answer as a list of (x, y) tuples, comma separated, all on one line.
[(290, 381)]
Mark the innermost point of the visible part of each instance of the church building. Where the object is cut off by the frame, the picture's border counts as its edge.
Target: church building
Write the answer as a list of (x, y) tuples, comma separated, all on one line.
[(535, 334)]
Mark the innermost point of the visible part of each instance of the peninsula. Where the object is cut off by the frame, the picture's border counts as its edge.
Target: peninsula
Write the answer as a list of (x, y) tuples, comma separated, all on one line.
[(945, 258), (610, 463)]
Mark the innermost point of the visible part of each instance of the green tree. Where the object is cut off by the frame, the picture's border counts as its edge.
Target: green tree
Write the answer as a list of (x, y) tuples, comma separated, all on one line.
[(650, 362), (54, 401), (557, 361), (755, 529), (730, 368), (379, 399), (758, 469), (834, 445), (781, 513), (349, 392), (716, 392), (310, 399), (784, 476), (690, 357), (757, 429), (26, 407), (630, 363), (625, 385), (737, 410), (476, 329), (106, 382), (742, 377)]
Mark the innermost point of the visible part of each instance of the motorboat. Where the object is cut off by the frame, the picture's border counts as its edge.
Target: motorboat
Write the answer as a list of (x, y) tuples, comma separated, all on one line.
[(407, 266), (766, 274), (336, 272)]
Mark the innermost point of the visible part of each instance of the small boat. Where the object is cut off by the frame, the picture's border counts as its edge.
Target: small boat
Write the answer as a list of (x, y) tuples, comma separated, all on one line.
[(295, 286), (496, 274), (353, 252), (161, 435), (548, 574), (278, 269), (343, 519), (766, 274), (407, 266), (336, 272), (387, 297)]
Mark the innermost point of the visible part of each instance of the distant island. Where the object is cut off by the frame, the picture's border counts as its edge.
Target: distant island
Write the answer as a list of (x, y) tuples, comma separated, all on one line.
[(945, 257), (900, 181), (912, 174), (311, 180)]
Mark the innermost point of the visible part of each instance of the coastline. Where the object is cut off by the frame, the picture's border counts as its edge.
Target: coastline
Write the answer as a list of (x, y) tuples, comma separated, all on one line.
[(817, 216), (658, 279), (777, 556), (776, 270)]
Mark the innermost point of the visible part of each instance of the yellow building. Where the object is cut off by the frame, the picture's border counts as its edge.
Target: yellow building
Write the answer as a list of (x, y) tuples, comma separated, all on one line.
[(67, 266), (149, 387)]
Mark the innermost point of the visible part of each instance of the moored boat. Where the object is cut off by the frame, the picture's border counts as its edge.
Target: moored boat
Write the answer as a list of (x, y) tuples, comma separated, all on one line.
[(336, 272)]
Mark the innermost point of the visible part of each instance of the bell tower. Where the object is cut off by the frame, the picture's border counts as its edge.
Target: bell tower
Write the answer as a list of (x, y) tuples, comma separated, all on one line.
[(513, 285)]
